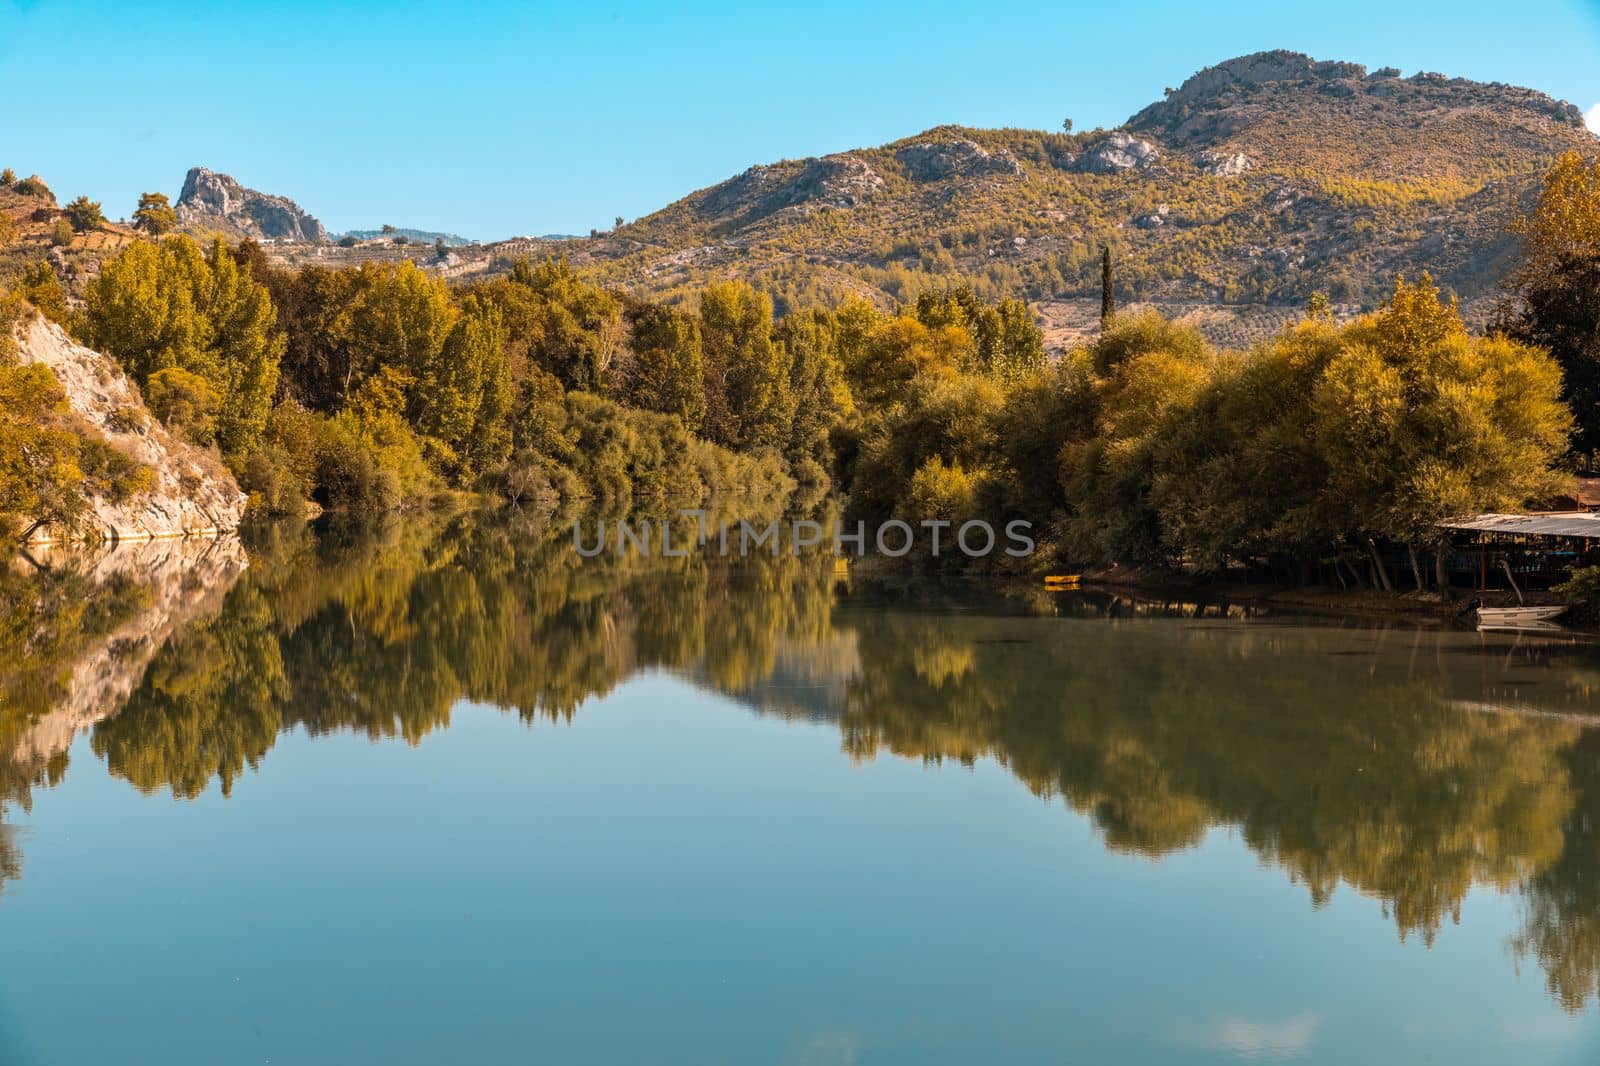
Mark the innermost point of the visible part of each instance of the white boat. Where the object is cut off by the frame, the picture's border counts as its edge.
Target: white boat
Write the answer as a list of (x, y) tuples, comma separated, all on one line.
[(1518, 616)]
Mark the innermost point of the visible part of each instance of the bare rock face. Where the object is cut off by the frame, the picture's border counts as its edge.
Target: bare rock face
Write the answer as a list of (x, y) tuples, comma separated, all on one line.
[(1118, 152), (1224, 164), (938, 160), (209, 196), (1154, 220), (841, 181), (194, 494)]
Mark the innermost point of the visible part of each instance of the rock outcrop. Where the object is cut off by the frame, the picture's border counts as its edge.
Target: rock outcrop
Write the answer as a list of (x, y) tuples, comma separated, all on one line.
[(209, 198), (193, 494), (1224, 164), (938, 160), (841, 181), (1119, 152)]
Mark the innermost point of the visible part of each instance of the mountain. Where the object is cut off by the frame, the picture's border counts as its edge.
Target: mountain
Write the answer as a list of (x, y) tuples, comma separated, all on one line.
[(216, 202), (1258, 181), (1255, 183), (419, 236), (1229, 201)]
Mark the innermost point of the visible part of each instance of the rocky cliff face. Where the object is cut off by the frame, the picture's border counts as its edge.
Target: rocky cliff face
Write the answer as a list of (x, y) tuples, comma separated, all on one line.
[(194, 494), (209, 198)]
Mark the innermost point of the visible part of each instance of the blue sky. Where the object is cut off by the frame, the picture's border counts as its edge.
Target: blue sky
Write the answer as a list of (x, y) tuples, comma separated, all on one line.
[(508, 118)]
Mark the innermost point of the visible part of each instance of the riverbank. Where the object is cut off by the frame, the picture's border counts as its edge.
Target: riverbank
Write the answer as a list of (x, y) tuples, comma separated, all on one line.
[(1416, 605)]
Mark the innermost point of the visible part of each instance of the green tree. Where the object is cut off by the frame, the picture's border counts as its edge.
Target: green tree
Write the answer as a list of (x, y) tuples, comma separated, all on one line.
[(184, 402), (170, 304), (816, 384), (155, 215), (748, 402), (41, 287), (41, 482), (1418, 421), (84, 214), (1555, 288), (667, 374)]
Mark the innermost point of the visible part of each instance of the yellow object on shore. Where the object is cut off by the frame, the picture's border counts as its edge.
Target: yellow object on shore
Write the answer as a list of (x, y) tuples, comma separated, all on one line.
[(1061, 581)]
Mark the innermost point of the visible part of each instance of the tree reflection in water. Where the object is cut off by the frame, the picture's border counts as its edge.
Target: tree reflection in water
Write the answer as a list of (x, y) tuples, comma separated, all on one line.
[(1355, 756)]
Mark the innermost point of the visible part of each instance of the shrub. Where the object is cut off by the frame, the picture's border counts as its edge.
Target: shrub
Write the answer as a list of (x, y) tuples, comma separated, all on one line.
[(128, 420), (34, 186), (1584, 584), (84, 214), (61, 233), (41, 287), (184, 402), (110, 474), (348, 241)]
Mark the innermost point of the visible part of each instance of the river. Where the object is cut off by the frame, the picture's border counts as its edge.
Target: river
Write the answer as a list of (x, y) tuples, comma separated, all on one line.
[(440, 791)]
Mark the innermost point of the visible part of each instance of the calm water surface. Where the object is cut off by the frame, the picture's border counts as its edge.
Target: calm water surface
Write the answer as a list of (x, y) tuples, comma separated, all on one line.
[(443, 793)]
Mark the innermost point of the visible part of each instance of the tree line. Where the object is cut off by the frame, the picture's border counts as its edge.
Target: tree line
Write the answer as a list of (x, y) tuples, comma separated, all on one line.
[(380, 386)]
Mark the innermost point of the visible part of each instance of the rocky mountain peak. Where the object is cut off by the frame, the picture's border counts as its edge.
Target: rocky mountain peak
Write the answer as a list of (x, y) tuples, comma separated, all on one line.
[(1338, 117), (209, 197)]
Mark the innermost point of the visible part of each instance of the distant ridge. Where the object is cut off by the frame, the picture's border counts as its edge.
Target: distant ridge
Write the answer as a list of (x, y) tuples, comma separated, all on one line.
[(423, 236)]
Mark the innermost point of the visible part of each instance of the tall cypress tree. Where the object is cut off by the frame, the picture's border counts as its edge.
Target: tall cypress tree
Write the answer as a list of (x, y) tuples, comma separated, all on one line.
[(1108, 294)]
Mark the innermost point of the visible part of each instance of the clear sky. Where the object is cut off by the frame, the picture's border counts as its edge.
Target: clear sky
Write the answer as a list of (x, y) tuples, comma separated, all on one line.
[(495, 119)]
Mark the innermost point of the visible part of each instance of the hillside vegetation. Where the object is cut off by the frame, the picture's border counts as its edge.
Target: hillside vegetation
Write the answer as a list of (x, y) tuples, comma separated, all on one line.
[(1258, 181)]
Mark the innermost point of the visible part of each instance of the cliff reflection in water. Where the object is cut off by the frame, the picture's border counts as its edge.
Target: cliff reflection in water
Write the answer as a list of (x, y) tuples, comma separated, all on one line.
[(1369, 757)]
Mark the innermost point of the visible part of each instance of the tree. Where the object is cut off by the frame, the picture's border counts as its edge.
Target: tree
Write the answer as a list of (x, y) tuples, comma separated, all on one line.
[(668, 373), (1005, 340), (1565, 221), (556, 321), (41, 287), (748, 403), (1418, 421), (62, 233), (84, 214), (900, 351), (170, 304), (40, 480), (1108, 291), (184, 402), (1066, 125), (462, 397), (8, 178), (1554, 292), (816, 383), (155, 215), (1559, 311)]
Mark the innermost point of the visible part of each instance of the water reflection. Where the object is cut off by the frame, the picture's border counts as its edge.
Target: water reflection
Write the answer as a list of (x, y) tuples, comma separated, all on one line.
[(1401, 762)]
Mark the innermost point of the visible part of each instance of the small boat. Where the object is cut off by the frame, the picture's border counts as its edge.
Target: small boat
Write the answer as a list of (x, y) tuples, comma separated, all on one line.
[(1060, 582), (1518, 616)]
